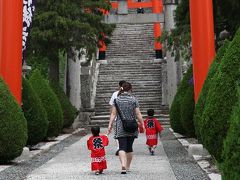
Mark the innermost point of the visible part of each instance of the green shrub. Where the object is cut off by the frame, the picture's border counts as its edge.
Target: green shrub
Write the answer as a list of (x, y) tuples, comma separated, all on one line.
[(221, 98), (231, 152), (175, 110), (200, 105), (13, 126), (50, 103), (187, 110), (69, 111), (35, 114)]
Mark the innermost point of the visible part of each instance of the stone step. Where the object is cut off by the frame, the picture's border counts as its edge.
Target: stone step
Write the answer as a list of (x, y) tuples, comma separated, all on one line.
[(130, 57), (106, 117), (104, 123), (142, 108)]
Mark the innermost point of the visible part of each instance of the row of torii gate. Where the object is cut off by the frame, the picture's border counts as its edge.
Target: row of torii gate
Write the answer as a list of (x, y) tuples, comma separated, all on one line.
[(202, 34)]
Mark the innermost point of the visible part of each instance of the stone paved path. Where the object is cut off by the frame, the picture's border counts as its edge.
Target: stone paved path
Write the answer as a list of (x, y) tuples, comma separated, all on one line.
[(74, 164)]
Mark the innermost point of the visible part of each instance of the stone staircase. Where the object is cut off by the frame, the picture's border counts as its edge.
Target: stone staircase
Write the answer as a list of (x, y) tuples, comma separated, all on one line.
[(130, 57)]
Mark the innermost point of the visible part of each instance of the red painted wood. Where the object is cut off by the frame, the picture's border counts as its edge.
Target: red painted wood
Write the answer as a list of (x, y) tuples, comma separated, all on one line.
[(203, 48), (11, 22)]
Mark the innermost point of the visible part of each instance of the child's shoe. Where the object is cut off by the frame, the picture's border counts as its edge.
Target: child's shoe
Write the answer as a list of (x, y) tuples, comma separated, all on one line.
[(97, 172), (152, 152)]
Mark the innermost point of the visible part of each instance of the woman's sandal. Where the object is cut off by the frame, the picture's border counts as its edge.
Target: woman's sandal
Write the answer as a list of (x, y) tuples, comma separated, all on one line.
[(124, 171)]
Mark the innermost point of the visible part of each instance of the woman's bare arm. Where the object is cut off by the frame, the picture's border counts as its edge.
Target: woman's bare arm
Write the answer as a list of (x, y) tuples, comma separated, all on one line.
[(112, 117), (139, 116)]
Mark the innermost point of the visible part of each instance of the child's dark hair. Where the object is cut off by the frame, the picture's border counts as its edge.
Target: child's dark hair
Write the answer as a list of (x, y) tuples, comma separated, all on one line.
[(95, 130), (150, 112)]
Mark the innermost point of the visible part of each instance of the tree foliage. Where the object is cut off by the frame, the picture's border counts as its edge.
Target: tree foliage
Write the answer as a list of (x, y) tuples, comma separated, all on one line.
[(69, 111), (178, 39), (13, 126), (229, 14), (221, 98), (175, 110), (63, 24), (200, 105), (231, 153), (35, 114), (50, 103)]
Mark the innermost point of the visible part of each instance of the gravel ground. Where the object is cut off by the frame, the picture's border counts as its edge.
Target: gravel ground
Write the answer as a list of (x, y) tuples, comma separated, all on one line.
[(21, 170), (184, 167)]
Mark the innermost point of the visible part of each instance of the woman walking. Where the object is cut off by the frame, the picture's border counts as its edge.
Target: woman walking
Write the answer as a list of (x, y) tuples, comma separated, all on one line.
[(126, 109)]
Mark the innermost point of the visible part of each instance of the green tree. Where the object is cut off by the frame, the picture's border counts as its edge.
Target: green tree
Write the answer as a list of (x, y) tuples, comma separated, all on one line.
[(229, 14), (178, 39), (62, 25), (231, 153), (13, 126), (221, 98), (35, 114), (175, 110), (69, 111), (50, 103), (200, 105), (187, 110)]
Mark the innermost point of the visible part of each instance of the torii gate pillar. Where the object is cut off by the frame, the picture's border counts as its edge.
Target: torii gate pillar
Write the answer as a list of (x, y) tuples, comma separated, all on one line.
[(203, 48), (11, 25), (157, 9)]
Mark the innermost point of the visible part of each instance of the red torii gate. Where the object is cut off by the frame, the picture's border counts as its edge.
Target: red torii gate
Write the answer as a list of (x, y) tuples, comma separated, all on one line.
[(11, 40), (157, 8)]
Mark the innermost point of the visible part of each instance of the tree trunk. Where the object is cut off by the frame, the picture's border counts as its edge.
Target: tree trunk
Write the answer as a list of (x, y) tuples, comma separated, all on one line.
[(69, 58), (54, 70)]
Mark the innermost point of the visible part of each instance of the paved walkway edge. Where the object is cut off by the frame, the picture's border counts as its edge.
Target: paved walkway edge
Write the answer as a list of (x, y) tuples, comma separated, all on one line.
[(203, 163)]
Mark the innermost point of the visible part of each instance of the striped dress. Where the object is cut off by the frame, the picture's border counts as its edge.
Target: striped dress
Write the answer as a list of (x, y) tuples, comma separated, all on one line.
[(127, 104)]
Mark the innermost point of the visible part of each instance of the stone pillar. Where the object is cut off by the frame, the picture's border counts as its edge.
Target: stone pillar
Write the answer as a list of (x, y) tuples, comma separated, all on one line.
[(86, 87), (122, 7), (73, 79), (164, 83), (88, 80), (172, 66)]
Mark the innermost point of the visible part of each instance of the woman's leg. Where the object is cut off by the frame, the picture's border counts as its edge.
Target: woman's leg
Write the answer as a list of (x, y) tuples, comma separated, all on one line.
[(129, 152), (122, 152), (129, 160), (123, 158)]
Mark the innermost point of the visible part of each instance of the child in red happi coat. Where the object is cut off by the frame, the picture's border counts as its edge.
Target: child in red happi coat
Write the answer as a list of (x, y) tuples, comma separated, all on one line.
[(96, 144), (153, 128)]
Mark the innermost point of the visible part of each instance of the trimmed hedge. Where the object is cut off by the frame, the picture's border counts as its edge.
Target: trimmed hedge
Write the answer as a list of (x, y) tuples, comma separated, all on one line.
[(231, 153), (50, 103), (200, 105), (13, 126), (69, 111), (221, 98), (187, 111), (175, 110), (35, 114)]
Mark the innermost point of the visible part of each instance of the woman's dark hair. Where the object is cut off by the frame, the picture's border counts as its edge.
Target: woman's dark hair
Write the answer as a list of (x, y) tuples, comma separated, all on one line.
[(125, 88), (95, 130), (121, 83), (150, 112)]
